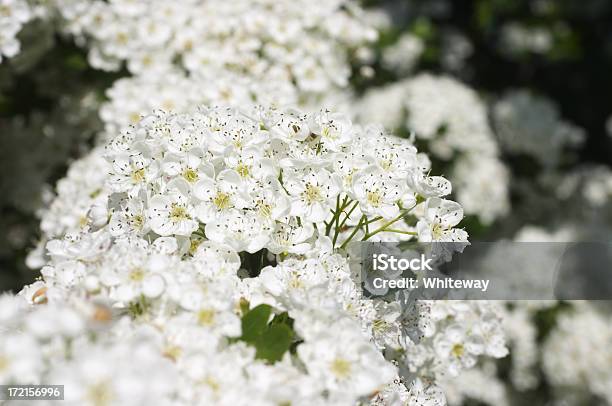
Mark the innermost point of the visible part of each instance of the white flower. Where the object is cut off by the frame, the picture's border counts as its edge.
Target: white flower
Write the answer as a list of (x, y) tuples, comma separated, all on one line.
[(132, 172), (312, 193), (217, 258), (377, 192), (403, 54), (439, 219), (290, 238), (458, 348), (333, 128), (99, 374), (482, 187), (13, 15), (423, 393), (173, 212), (20, 359), (190, 166), (269, 199), (210, 309), (218, 195), (289, 125), (241, 230), (129, 217), (530, 124), (340, 362)]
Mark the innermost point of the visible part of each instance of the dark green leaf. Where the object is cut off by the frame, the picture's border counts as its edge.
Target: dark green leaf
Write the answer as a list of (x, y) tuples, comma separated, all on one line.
[(274, 342), (255, 322)]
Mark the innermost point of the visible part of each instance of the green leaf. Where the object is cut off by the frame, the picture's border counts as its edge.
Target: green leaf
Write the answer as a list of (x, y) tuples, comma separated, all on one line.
[(75, 62), (282, 318), (255, 322), (274, 342)]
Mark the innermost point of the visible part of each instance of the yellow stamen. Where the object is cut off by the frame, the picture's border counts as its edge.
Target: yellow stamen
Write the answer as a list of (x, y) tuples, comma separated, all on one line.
[(222, 201), (341, 368)]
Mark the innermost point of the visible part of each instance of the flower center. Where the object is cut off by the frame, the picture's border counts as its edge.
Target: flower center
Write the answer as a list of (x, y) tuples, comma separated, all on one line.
[(349, 177), (295, 282), (138, 175), (437, 231), (206, 317), (137, 221), (193, 246), (458, 350), (222, 200), (212, 383), (122, 38), (243, 170), (100, 394), (190, 175), (134, 117), (380, 325), (329, 132), (265, 210), (179, 213), (172, 352), (312, 194), (341, 367), (137, 275), (374, 198)]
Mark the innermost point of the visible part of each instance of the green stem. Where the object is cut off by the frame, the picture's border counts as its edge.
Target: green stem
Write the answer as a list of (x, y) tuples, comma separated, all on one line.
[(391, 230), (374, 219), (387, 224), (339, 226), (335, 218), (355, 230), (348, 214)]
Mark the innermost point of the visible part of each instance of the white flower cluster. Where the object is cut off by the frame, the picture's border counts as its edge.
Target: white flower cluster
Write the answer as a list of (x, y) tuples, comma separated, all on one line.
[(519, 316), (577, 353), (450, 114), (517, 38), (597, 186), (252, 177), (220, 216), (586, 188), (194, 52), (403, 54), (292, 41), (532, 125), (13, 15), (131, 98), (453, 121), (77, 196), (77, 193), (391, 159), (478, 384), (77, 345), (453, 335)]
